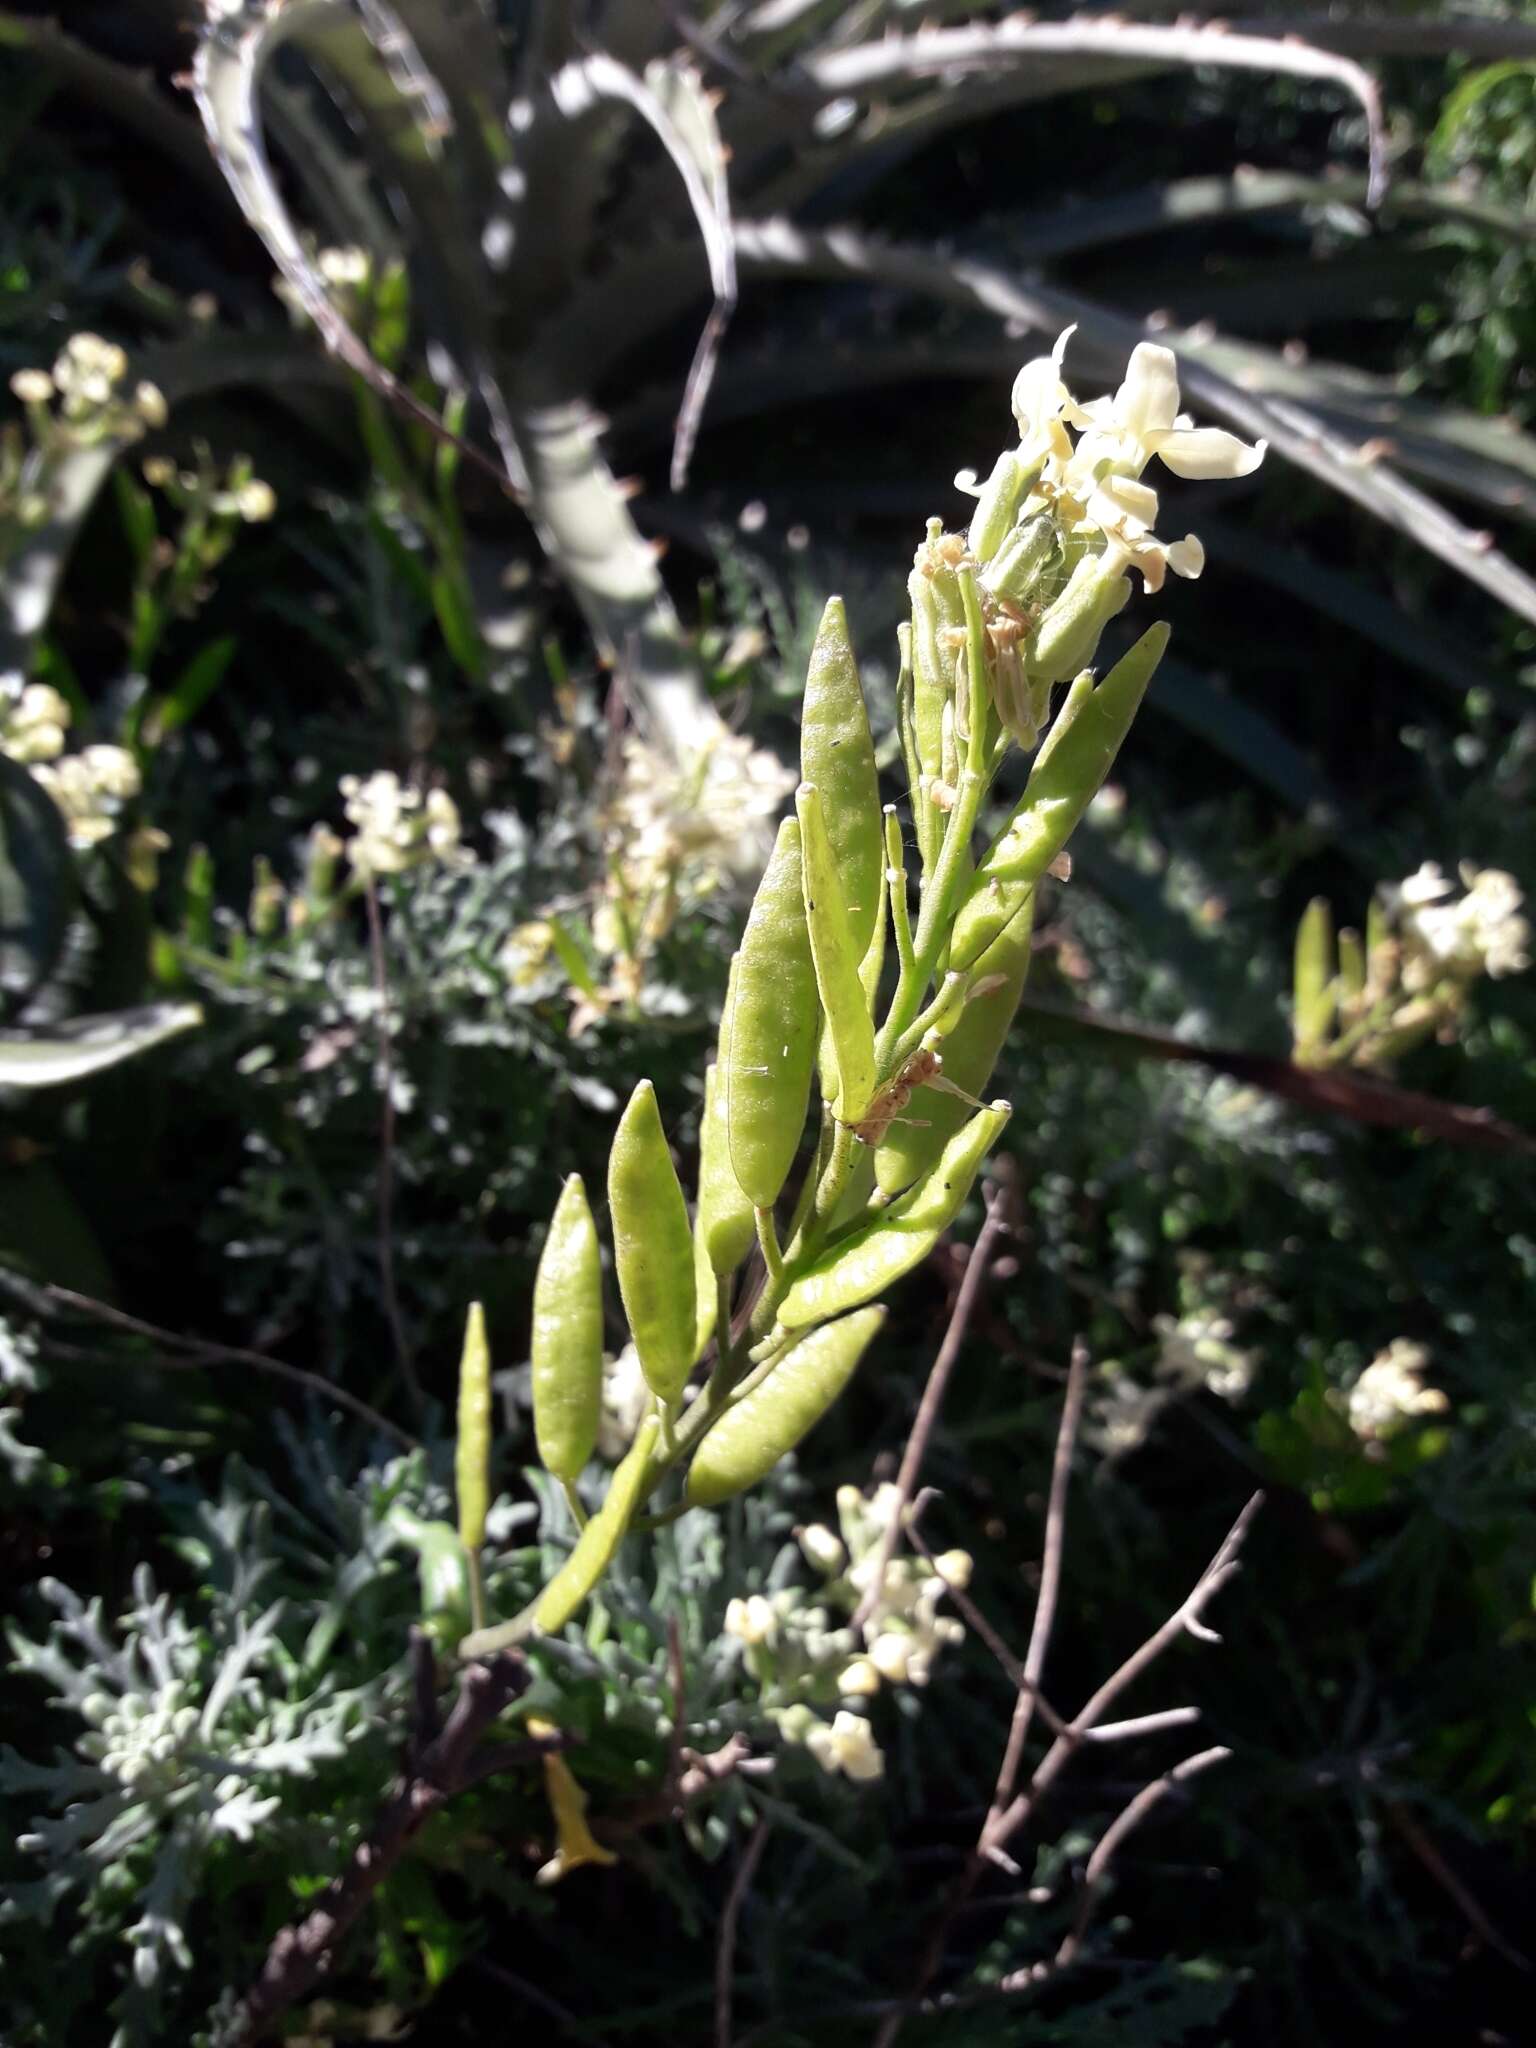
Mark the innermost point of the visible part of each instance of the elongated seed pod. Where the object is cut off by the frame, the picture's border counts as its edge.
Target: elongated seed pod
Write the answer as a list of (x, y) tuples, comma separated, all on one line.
[(1000, 499), (726, 1226), (900, 1237), (652, 1246), (908, 1150), (472, 1447), (1067, 775), (1314, 997), (594, 1551), (765, 1424), (837, 755), (567, 1344), (602, 1536), (836, 960), (773, 1029), (1066, 638)]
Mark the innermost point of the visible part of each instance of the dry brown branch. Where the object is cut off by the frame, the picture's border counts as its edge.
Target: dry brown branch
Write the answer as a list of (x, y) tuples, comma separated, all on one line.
[(302, 1953), (932, 1401), (725, 1951), (1107, 1847)]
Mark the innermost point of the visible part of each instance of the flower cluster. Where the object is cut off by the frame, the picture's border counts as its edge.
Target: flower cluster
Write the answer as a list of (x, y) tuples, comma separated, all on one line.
[(1426, 944), (1195, 1354), (804, 1656), (87, 384), (676, 829), (34, 726), (1058, 528), (1390, 1393), (397, 828)]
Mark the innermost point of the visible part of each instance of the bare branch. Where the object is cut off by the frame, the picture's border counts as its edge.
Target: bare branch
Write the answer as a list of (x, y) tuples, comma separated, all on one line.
[(1124, 1824), (302, 1953), (725, 1951), (1216, 1574), (928, 1408)]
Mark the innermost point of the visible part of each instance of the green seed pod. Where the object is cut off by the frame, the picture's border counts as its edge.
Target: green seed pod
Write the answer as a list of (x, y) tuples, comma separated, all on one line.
[(594, 1552), (900, 1237), (908, 1150), (1022, 560), (472, 1448), (706, 1295), (837, 755), (1068, 635), (1000, 499), (766, 1424), (1069, 770), (1315, 995), (597, 1543), (773, 1029), (726, 1225), (567, 1344), (652, 1246), (836, 958)]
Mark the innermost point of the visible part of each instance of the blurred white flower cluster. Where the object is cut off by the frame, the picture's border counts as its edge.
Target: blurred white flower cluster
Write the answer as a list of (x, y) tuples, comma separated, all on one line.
[(1427, 942), (675, 830), (801, 1649), (86, 386), (396, 828), (1195, 1354), (91, 787), (1391, 1393)]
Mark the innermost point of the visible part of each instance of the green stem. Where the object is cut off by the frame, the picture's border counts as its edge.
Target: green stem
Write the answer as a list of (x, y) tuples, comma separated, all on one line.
[(476, 1589), (573, 1502)]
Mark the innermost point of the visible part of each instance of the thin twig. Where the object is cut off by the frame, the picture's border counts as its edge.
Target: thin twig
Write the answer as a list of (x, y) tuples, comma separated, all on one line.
[(928, 1408), (203, 1351), (1050, 1577), (386, 1177), (1185, 1619), (1443, 1875), (302, 1953), (1125, 1823), (986, 1851), (725, 1951)]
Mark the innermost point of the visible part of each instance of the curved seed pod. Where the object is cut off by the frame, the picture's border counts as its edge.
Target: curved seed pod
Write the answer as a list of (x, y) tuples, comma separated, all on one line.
[(567, 1343), (773, 1029), (900, 1237), (472, 1447), (836, 960), (908, 1150), (652, 1246), (751, 1437), (1070, 768), (837, 755), (725, 1225)]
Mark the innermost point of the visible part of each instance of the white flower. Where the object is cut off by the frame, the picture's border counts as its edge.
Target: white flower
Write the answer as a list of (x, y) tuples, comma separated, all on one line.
[(954, 1568), (32, 387), (860, 1680), (1196, 1351), (625, 1399), (1391, 1392), (847, 1745), (34, 727), (822, 1549), (89, 788), (752, 1621), (1142, 421), (347, 266), (255, 501), (398, 828)]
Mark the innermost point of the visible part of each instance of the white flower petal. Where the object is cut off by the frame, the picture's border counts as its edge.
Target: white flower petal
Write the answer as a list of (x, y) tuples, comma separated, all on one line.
[(1204, 453), (1149, 398), (1186, 557), (1124, 498)]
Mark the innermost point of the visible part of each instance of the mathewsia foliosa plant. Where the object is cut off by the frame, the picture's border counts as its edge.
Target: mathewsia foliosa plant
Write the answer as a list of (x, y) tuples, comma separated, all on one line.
[(880, 969)]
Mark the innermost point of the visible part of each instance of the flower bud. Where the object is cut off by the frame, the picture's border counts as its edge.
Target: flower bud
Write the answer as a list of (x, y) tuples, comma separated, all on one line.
[(1021, 561)]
